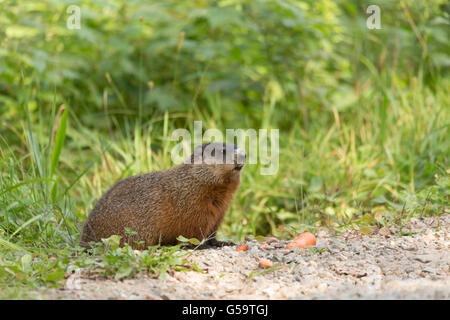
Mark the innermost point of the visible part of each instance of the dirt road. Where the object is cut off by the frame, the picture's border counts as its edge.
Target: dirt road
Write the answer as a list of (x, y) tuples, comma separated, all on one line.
[(349, 266)]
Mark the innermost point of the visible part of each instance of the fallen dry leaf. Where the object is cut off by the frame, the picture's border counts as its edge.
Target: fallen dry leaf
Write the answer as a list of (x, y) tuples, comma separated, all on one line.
[(243, 247), (303, 240), (265, 263), (296, 243), (264, 245)]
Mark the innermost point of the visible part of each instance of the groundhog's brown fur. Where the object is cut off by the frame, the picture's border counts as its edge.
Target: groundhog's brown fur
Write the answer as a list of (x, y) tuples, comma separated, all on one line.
[(189, 200)]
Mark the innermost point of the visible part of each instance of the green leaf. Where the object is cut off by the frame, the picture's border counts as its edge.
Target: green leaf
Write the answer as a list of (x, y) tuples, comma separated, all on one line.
[(366, 230), (182, 239), (130, 231), (260, 238), (60, 137), (330, 211), (25, 260), (368, 218), (124, 271), (54, 191), (163, 273), (194, 241), (114, 240), (19, 32), (26, 224), (196, 268), (11, 245), (380, 199), (55, 276)]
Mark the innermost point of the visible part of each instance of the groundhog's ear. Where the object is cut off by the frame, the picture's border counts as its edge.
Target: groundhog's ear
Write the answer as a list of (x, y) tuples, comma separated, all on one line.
[(210, 150)]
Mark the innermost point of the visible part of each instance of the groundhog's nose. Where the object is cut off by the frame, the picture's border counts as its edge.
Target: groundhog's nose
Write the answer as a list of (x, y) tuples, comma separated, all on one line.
[(240, 157)]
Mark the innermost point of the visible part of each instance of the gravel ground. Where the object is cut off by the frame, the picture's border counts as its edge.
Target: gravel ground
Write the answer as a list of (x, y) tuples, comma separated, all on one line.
[(349, 266)]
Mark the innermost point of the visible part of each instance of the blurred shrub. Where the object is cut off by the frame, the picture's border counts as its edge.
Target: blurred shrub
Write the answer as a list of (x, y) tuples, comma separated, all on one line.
[(178, 55)]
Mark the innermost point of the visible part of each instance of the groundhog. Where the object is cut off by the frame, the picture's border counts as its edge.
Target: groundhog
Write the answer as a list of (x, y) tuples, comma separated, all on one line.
[(190, 199)]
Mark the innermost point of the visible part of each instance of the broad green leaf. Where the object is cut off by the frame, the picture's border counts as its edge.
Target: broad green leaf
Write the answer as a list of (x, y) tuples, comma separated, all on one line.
[(55, 276), (260, 238), (114, 239), (194, 241), (182, 239), (123, 272), (25, 260), (368, 218), (366, 230)]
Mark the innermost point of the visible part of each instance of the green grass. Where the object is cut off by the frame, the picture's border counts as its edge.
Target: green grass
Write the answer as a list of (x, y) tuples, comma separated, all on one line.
[(337, 177), (363, 116)]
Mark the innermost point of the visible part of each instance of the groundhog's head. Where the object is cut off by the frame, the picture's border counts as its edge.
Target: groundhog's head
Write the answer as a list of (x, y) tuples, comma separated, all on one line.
[(221, 161)]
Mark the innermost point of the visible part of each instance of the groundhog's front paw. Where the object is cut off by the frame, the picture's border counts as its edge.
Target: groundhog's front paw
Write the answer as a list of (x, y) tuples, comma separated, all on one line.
[(216, 243), (211, 243)]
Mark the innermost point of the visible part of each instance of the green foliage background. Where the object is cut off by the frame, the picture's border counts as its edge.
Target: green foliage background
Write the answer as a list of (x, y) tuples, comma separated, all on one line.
[(363, 114)]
